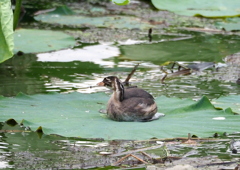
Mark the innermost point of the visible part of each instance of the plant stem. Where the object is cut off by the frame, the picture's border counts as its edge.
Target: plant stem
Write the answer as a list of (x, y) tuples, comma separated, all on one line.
[(16, 13)]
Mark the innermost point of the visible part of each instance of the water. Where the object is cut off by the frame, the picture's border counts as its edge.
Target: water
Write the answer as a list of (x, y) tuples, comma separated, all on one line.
[(22, 149), (80, 69)]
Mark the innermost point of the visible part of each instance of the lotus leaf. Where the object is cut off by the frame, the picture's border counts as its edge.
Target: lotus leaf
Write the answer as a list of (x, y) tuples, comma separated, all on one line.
[(213, 8), (76, 115), (225, 102), (35, 41), (230, 24), (105, 21), (198, 48), (6, 30), (121, 2)]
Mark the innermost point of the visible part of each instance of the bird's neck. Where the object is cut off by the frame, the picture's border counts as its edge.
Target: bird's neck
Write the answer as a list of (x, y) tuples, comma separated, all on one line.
[(118, 90)]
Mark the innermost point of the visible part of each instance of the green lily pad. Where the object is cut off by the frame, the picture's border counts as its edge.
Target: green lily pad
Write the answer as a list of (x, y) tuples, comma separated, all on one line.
[(59, 16), (76, 115), (225, 102), (104, 21), (211, 48), (230, 24), (35, 41), (121, 2), (6, 30), (213, 8)]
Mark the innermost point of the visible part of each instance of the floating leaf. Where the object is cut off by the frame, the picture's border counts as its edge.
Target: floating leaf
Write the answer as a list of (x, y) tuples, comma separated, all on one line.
[(35, 41), (105, 21), (211, 48), (225, 102), (76, 115), (206, 8), (6, 30), (121, 2), (230, 24)]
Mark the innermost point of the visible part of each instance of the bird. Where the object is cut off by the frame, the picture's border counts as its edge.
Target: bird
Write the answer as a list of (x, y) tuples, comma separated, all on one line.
[(238, 81), (129, 104)]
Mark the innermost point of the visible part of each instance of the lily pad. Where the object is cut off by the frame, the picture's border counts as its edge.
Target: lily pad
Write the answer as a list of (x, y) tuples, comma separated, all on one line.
[(116, 21), (6, 30), (213, 8), (225, 102), (35, 41), (76, 115), (121, 2), (211, 48), (230, 24)]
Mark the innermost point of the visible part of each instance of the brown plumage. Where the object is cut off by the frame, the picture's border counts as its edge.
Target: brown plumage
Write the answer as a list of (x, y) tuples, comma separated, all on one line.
[(131, 104)]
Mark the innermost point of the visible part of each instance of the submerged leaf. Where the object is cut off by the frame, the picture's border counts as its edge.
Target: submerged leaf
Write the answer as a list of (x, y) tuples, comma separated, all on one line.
[(76, 115)]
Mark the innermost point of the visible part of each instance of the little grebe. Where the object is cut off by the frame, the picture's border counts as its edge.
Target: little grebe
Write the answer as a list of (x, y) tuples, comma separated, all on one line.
[(130, 104)]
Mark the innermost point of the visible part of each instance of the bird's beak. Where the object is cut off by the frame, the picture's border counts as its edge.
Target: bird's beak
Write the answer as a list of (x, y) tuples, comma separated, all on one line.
[(101, 84)]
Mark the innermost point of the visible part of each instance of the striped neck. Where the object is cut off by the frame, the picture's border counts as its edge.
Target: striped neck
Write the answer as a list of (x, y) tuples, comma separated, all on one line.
[(118, 89)]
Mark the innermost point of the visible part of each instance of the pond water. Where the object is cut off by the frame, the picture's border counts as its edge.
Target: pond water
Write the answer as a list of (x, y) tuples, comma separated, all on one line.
[(79, 69), (22, 149)]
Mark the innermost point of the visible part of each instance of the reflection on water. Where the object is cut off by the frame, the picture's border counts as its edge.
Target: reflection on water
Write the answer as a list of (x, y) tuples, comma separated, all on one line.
[(25, 74), (199, 47), (94, 54), (81, 68), (14, 76)]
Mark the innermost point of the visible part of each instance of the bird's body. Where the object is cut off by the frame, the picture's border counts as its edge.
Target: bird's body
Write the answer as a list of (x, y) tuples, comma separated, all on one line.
[(136, 92), (131, 104)]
